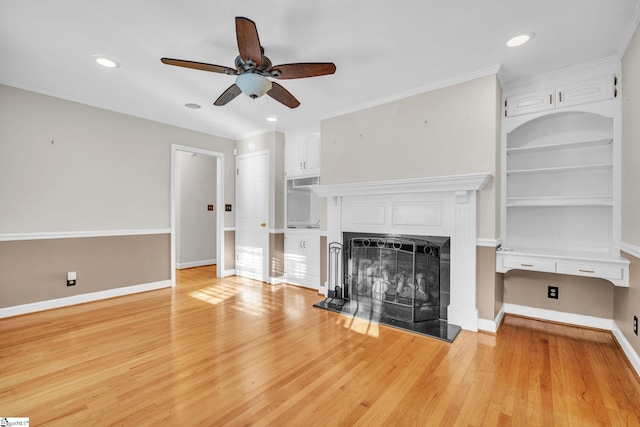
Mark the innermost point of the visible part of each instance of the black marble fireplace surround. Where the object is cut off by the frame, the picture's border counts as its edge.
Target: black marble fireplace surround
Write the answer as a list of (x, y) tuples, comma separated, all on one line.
[(396, 280)]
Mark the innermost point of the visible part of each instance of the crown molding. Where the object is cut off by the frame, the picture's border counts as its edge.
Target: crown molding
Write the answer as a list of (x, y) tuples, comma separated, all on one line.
[(564, 72)]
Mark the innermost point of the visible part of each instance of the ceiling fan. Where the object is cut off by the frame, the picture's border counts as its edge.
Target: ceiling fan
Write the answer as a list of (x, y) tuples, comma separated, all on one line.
[(253, 68)]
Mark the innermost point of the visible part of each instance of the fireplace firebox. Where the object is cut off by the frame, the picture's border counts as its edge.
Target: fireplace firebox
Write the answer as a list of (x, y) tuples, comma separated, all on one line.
[(402, 277)]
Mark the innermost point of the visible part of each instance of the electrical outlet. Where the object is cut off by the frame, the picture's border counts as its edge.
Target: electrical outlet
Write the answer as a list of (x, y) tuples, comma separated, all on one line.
[(635, 325), (71, 278), (552, 292), (227, 208)]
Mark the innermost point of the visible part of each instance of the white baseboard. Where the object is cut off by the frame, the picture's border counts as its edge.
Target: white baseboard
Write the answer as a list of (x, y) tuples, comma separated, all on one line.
[(492, 325), (559, 316), (82, 298), (192, 264), (227, 273), (626, 347), (630, 249)]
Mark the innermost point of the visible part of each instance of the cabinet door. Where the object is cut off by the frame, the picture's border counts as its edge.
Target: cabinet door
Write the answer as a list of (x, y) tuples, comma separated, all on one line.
[(293, 158), (311, 161), (294, 258), (531, 102), (587, 91), (312, 248)]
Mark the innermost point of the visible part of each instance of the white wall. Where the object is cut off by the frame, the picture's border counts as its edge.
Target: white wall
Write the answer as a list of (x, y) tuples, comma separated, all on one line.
[(631, 142), (65, 166), (449, 131), (196, 226)]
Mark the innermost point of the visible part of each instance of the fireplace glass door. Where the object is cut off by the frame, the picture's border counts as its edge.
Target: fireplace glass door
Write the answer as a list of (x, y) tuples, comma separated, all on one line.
[(399, 276)]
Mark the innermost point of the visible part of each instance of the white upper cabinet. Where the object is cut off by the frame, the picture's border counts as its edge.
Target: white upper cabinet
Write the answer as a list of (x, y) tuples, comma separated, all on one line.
[(561, 180), (593, 90), (531, 102), (302, 155), (564, 95)]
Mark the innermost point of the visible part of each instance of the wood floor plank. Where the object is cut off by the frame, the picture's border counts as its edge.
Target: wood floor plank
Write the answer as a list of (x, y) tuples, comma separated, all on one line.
[(235, 351)]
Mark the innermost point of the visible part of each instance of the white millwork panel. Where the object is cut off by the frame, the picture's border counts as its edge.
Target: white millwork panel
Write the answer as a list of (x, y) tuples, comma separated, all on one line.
[(436, 206), (561, 169)]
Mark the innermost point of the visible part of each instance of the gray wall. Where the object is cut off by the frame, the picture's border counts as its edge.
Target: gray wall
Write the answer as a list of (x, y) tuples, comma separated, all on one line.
[(627, 300), (195, 225), (68, 167)]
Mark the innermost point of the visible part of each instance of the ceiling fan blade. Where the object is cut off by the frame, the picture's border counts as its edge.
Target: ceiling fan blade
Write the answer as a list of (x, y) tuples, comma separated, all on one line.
[(282, 95), (228, 95), (303, 69), (199, 66), (248, 41)]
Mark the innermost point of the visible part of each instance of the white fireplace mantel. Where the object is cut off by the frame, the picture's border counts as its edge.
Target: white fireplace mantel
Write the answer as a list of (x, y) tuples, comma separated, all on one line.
[(467, 182), (432, 206)]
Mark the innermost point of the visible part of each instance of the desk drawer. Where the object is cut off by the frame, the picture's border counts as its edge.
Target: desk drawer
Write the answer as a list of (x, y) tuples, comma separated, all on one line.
[(608, 272), (529, 264)]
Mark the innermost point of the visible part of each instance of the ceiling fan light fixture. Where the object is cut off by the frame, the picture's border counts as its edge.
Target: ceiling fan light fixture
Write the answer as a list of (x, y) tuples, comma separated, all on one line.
[(253, 85)]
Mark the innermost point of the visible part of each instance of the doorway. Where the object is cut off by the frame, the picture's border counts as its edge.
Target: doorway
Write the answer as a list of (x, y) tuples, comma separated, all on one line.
[(176, 152)]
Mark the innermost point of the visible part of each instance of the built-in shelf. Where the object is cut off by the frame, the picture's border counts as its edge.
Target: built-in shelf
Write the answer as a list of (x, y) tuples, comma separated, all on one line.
[(598, 200), (561, 169), (560, 146), (560, 194)]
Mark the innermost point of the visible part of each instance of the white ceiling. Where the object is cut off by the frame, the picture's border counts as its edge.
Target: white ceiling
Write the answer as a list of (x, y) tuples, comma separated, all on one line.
[(381, 50)]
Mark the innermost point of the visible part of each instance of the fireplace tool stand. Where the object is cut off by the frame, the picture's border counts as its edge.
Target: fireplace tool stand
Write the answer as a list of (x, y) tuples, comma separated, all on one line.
[(336, 297)]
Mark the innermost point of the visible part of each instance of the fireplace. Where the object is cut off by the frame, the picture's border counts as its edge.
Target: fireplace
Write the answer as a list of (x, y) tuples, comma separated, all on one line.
[(405, 278), (417, 208)]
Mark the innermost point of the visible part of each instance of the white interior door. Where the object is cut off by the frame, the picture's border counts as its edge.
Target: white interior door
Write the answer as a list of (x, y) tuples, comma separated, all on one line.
[(252, 215)]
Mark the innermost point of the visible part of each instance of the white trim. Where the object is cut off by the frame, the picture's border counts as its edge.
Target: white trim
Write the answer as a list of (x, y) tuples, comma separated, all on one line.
[(275, 280), (227, 273), (192, 264), (230, 228), (489, 243), (259, 132), (565, 72), (628, 350), (277, 230), (11, 237), (630, 249), (492, 325), (466, 182), (417, 91), (220, 197), (82, 298), (629, 32), (559, 316)]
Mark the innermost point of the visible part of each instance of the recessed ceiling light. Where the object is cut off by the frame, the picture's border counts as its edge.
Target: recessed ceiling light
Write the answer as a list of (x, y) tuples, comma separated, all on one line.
[(272, 119), (192, 105), (520, 39), (106, 62)]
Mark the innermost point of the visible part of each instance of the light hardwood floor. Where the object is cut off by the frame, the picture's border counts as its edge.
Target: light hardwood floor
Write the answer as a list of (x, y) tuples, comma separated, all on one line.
[(239, 352)]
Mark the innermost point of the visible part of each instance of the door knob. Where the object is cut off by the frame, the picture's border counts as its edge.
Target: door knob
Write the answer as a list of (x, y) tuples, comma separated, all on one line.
[(263, 225)]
